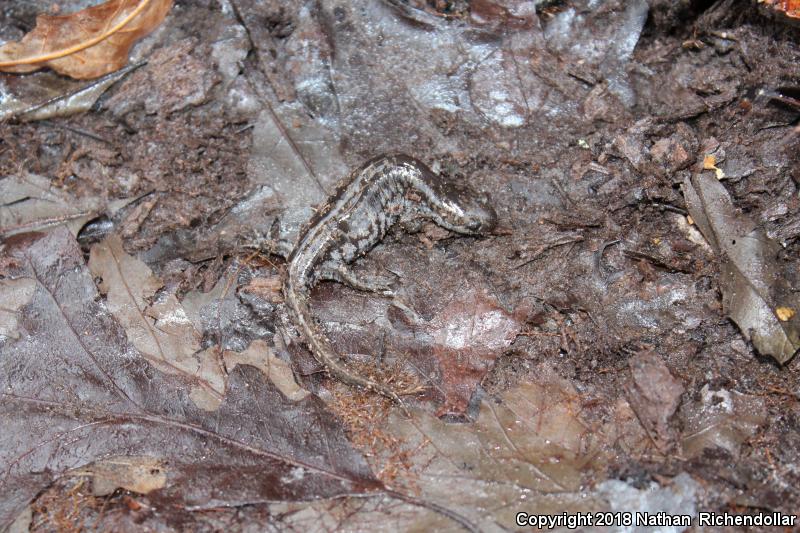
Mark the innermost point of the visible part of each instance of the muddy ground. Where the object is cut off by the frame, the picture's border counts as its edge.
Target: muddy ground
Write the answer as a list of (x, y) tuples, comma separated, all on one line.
[(577, 359)]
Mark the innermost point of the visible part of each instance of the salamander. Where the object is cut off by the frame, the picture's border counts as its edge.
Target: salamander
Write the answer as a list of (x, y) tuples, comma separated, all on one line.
[(383, 192)]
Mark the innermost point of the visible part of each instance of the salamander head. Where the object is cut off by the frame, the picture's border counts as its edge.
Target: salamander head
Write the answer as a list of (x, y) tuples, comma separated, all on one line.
[(463, 210), (453, 206)]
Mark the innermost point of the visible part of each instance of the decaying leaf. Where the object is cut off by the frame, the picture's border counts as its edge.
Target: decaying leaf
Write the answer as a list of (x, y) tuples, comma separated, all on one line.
[(22, 523), (722, 419), (29, 202), (14, 294), (754, 283), (261, 356), (73, 390), (157, 326), (85, 44), (468, 336), (654, 394), (300, 164), (168, 333), (527, 450), (678, 496), (71, 103)]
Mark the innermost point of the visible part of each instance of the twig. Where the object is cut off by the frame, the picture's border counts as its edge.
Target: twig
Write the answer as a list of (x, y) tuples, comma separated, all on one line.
[(76, 131), (549, 246), (670, 207), (655, 261)]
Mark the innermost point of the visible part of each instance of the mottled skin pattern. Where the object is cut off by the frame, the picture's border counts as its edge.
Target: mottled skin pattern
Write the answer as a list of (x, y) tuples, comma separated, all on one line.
[(385, 191)]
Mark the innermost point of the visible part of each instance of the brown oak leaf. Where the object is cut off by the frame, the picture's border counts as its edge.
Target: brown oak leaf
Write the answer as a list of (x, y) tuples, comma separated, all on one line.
[(88, 43)]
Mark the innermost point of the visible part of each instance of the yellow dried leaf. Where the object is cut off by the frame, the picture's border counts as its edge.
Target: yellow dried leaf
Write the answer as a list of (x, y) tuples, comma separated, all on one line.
[(790, 8), (784, 314), (710, 163), (689, 220), (140, 474), (85, 44)]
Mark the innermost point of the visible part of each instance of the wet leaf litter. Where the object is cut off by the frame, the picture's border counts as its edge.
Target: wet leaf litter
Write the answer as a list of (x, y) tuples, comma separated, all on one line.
[(581, 358), (758, 289), (96, 392)]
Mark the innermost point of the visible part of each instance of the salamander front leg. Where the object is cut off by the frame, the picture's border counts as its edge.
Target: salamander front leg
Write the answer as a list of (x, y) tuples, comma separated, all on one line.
[(270, 243)]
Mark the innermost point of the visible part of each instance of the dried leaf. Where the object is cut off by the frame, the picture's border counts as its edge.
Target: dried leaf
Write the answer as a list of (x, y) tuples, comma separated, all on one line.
[(300, 164), (790, 8), (753, 281), (677, 497), (710, 163), (259, 355), (22, 523), (29, 202), (60, 41), (168, 333), (137, 474), (77, 101), (73, 391)]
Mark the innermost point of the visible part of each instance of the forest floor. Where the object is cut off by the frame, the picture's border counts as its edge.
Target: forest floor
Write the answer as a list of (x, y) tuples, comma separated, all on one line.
[(583, 357)]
